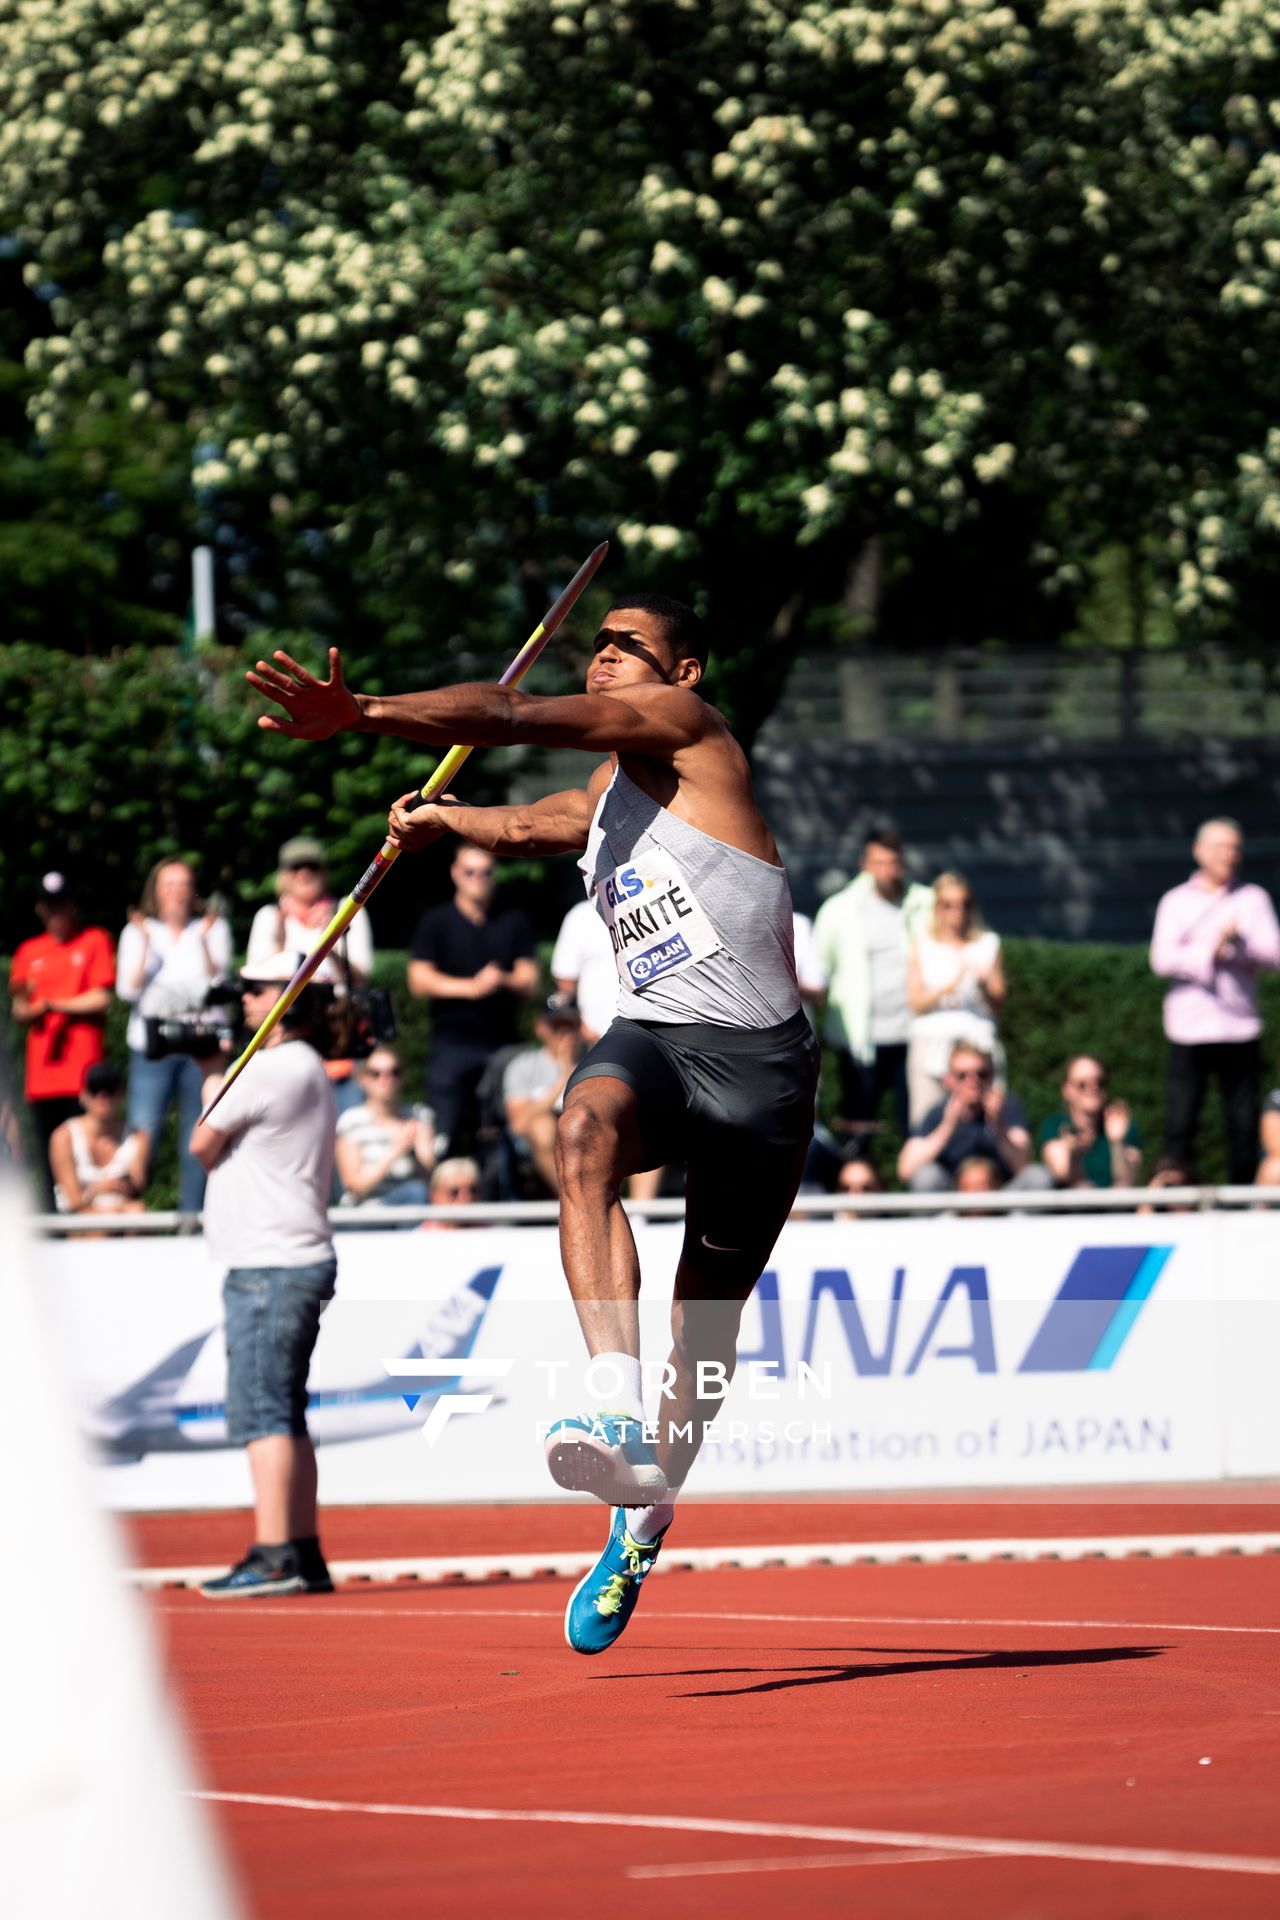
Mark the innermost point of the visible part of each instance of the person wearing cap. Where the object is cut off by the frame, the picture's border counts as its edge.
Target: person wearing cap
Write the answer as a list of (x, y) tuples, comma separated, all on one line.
[(268, 1151), (97, 1166), (303, 908), (534, 1083), (60, 983)]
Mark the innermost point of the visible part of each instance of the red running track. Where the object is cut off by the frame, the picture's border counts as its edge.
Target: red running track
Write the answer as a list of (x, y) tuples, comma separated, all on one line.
[(927, 1739), (200, 1539)]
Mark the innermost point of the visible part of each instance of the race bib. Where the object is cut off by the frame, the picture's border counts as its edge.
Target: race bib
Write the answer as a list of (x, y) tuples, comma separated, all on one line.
[(655, 924)]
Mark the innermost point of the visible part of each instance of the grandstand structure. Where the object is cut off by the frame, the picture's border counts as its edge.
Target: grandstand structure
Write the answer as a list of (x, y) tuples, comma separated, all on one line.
[(1066, 787)]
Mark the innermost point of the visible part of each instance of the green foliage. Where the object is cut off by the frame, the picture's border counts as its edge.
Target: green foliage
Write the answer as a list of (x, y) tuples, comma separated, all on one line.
[(443, 295)]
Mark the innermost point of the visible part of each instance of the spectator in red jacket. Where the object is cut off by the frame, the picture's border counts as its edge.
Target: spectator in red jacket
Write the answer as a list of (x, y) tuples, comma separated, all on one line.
[(60, 983)]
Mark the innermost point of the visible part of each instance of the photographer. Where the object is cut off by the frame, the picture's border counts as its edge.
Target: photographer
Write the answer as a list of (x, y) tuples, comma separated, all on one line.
[(269, 1155), (170, 953)]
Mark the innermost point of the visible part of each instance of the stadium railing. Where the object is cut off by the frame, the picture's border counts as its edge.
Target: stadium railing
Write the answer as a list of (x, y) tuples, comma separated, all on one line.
[(817, 1206)]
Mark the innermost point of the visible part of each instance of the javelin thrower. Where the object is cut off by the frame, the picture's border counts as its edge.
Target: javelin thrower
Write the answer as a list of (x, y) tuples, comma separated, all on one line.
[(711, 1059)]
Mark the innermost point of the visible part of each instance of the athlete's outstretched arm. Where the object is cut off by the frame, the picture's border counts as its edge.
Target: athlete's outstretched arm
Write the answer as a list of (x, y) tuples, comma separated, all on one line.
[(657, 720), (556, 824)]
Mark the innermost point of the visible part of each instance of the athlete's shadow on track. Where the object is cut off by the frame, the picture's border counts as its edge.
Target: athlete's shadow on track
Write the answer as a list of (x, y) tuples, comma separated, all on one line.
[(828, 1673)]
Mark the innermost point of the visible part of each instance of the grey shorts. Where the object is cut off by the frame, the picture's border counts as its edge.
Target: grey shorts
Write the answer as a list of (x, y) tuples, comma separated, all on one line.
[(272, 1320)]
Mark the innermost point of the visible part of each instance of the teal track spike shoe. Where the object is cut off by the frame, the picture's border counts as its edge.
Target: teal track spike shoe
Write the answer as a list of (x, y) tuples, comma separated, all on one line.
[(602, 1603), (606, 1454)]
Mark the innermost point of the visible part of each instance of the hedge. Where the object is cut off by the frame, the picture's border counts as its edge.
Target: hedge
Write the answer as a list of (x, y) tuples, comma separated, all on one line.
[(1063, 998)]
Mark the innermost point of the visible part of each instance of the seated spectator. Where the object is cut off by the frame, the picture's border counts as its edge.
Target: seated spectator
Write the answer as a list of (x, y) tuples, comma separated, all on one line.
[(955, 990), (857, 1176), (169, 955), (97, 1166), (1091, 1141), (454, 1183), (534, 1082), (1170, 1172), (979, 1175), (1268, 1174), (978, 1120), (383, 1152)]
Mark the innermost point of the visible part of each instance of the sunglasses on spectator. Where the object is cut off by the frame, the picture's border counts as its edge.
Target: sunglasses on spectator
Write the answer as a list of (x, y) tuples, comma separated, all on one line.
[(457, 1193), (971, 1073), (304, 866), (1083, 1083)]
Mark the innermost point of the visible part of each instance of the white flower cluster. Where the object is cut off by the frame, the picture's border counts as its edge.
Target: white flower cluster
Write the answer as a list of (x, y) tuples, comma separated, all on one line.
[(879, 250)]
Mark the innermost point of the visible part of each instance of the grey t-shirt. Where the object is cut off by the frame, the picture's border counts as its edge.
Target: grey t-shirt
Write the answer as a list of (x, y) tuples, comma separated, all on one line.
[(531, 1071), (887, 956)]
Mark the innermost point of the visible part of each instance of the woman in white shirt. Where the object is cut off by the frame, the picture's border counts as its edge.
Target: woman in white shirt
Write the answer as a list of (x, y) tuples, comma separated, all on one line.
[(955, 989), (169, 955)]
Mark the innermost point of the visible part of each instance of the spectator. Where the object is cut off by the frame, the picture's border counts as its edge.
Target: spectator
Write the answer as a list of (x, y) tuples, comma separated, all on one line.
[(1169, 1172), (455, 1183), (977, 1120), (474, 960), (97, 1167), (1213, 937), (979, 1175), (811, 975), (171, 952), (582, 966), (61, 984), (303, 909), (533, 1084), (860, 938), (1091, 1141), (268, 1150), (857, 1176), (384, 1153), (955, 989)]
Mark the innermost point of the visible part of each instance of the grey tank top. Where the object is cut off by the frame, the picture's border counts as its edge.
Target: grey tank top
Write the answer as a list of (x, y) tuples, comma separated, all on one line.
[(701, 931)]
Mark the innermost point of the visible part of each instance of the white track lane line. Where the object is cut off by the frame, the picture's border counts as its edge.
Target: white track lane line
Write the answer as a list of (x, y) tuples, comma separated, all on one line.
[(322, 1611), (790, 1863), (981, 1845)]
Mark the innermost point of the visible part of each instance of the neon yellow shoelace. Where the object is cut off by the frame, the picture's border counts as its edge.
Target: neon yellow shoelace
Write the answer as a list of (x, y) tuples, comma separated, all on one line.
[(614, 1591)]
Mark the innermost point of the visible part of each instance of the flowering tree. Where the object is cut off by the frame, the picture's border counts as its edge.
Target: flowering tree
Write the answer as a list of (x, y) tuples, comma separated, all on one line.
[(744, 283)]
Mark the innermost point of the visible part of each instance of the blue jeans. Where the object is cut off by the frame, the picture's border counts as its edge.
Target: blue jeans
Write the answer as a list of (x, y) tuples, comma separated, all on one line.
[(153, 1086), (272, 1321)]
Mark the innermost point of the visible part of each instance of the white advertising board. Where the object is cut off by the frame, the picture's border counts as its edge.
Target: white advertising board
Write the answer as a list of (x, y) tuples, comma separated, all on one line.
[(961, 1352)]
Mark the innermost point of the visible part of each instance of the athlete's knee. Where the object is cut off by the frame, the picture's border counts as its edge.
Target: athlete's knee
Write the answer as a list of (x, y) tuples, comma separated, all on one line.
[(587, 1145)]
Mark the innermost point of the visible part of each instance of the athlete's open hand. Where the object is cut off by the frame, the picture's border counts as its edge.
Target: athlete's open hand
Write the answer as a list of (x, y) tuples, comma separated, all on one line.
[(411, 832), (315, 709)]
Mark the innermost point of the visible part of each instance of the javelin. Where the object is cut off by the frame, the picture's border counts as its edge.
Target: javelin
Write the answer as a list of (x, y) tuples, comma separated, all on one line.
[(387, 854)]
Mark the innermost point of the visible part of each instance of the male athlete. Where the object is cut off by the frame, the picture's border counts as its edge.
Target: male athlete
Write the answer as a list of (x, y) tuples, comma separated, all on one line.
[(710, 1060)]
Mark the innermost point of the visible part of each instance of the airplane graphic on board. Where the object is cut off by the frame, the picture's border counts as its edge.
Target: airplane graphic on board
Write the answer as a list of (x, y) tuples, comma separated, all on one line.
[(151, 1415)]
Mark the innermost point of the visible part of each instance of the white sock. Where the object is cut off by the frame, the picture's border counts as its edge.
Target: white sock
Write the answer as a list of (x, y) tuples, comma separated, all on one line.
[(603, 1370), (646, 1523)]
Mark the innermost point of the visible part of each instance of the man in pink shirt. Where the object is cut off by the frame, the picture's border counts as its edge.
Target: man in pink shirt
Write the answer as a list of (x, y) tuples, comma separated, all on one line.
[(1212, 939)]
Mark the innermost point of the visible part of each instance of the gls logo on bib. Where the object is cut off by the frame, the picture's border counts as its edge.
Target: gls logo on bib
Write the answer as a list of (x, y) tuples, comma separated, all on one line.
[(655, 924)]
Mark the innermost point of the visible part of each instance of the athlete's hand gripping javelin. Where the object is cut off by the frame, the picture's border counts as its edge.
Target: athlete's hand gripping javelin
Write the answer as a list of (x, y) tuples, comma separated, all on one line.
[(413, 825)]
